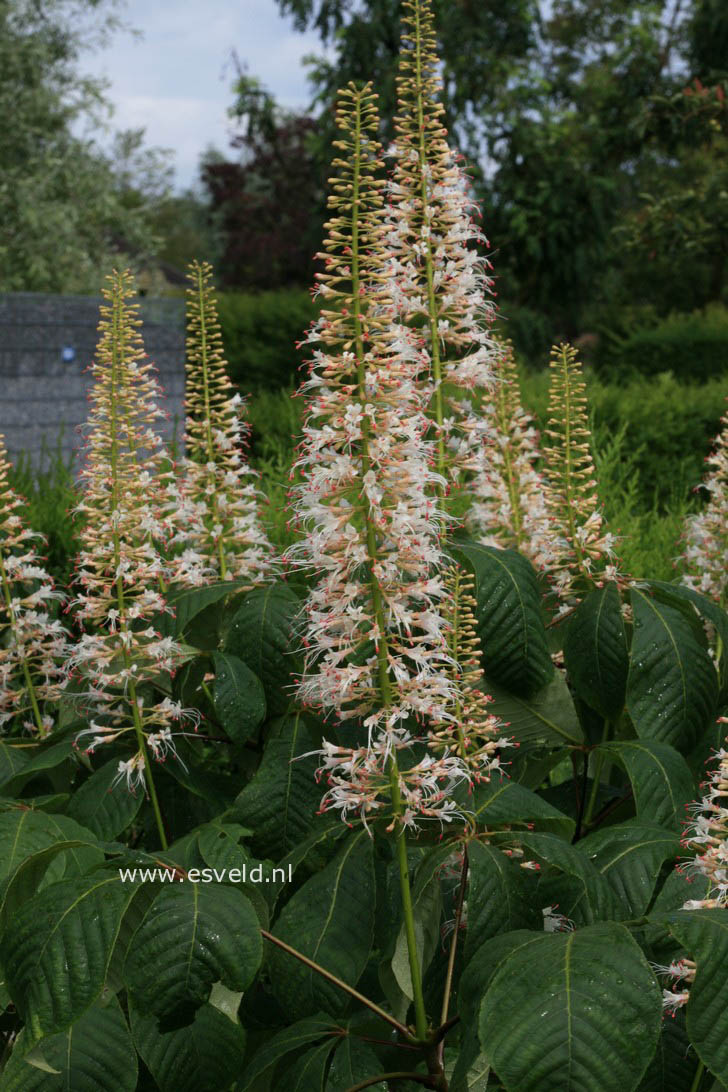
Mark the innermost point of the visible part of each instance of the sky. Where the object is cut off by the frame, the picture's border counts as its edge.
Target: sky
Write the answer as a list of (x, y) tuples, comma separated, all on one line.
[(176, 80)]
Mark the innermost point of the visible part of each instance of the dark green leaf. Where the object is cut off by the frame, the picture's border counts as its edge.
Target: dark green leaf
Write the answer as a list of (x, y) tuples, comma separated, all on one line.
[(308, 1072), (573, 1012), (596, 653), (191, 936), (105, 808), (581, 892), (672, 1069), (704, 935), (631, 857), (712, 613), (354, 1061), (262, 636), (330, 920), (548, 716), (501, 801), (259, 1071), (281, 801), (95, 1054), (660, 777), (672, 687), (508, 614), (239, 697), (57, 949), (497, 897), (205, 1056), (191, 602)]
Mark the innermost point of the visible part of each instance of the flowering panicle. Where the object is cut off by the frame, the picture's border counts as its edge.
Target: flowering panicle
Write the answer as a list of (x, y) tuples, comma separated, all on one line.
[(375, 639), (223, 536), (33, 644), (441, 284), (472, 733), (121, 572), (706, 534), (509, 507), (707, 835), (582, 552)]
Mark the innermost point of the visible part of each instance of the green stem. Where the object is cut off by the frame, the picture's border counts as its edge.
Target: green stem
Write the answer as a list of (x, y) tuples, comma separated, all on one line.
[(117, 344), (429, 264), (376, 594), (698, 1077), (148, 776), (201, 303), (408, 912), (598, 764)]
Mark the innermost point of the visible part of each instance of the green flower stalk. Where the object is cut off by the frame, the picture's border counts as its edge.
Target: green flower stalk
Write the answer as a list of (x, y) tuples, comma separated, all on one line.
[(375, 638), (442, 286), (580, 553), (222, 533), (120, 568), (473, 733), (706, 535), (33, 643), (509, 506)]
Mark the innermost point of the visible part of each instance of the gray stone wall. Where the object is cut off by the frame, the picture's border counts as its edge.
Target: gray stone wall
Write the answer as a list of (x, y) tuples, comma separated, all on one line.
[(46, 345)]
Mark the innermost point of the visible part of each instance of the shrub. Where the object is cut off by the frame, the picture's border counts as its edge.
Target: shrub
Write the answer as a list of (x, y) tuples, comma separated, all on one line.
[(693, 346), (260, 332), (668, 427)]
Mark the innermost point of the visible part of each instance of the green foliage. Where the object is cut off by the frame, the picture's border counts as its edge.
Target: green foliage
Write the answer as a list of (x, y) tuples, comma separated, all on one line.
[(65, 205), (260, 333), (694, 347)]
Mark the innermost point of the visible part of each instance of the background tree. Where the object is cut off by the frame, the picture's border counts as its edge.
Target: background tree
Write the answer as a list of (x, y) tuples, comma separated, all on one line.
[(561, 108), (267, 204), (67, 208)]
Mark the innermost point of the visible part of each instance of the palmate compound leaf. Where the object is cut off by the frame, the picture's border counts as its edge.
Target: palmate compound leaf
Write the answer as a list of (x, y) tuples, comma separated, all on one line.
[(330, 919), (106, 808), (95, 1054), (205, 1056), (672, 688), (631, 856), (508, 616), (572, 1012), (192, 936), (262, 635), (57, 949), (661, 781), (280, 802), (239, 697), (596, 652), (704, 935)]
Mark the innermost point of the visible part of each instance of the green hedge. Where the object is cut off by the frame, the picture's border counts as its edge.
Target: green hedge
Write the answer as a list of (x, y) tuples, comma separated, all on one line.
[(694, 347), (669, 426), (260, 332)]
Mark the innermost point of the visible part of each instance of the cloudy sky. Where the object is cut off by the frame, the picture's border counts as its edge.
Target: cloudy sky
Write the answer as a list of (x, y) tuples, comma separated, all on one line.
[(176, 80)]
